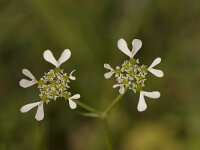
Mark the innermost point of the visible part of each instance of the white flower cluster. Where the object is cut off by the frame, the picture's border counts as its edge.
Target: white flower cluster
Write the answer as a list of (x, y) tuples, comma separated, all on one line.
[(55, 84), (52, 85), (131, 75)]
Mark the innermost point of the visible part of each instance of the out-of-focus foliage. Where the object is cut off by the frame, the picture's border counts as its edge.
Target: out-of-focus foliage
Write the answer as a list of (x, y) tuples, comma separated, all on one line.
[(90, 28)]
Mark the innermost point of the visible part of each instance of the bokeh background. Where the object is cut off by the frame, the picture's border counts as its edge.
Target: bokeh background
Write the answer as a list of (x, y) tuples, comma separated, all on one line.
[(90, 29)]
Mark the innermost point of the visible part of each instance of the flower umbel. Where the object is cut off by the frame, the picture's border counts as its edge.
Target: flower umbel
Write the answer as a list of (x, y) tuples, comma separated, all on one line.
[(54, 84), (131, 75)]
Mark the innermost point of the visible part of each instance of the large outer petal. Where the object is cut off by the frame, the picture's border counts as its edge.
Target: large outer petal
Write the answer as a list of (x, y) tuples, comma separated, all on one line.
[(154, 94), (155, 62), (40, 112), (27, 73), (122, 45), (28, 107), (76, 96), (72, 104), (64, 56), (26, 83), (107, 66), (137, 44), (108, 74), (156, 72), (48, 56), (142, 106)]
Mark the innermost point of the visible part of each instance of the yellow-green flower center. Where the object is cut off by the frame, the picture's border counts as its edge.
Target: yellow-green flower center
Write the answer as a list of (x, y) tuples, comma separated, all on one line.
[(54, 84), (131, 75)]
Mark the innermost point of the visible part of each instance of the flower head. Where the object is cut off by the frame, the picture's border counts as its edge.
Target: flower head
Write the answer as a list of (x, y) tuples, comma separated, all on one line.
[(53, 84), (131, 75)]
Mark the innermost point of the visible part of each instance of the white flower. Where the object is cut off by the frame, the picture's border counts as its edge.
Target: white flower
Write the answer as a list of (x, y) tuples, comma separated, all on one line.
[(40, 111), (48, 56), (72, 104), (27, 83), (156, 72), (108, 74), (71, 76), (136, 45), (121, 88), (131, 75), (142, 106), (52, 85)]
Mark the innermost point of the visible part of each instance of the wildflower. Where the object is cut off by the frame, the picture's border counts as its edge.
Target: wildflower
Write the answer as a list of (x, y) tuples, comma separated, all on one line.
[(54, 84), (131, 75)]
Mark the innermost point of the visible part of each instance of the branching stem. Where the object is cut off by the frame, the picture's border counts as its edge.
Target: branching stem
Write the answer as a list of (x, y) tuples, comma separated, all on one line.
[(92, 112)]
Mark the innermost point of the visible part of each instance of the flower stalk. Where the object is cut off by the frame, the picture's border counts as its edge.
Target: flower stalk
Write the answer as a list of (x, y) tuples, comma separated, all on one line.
[(101, 115), (88, 108), (40, 133), (107, 134), (113, 103)]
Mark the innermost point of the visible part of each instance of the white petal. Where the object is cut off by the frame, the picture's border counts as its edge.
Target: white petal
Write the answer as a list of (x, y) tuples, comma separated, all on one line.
[(72, 104), (64, 56), (107, 66), (27, 73), (116, 85), (137, 44), (76, 96), (48, 56), (26, 83), (71, 76), (121, 89), (108, 74), (156, 72), (154, 94), (122, 45), (142, 106), (28, 107), (155, 62), (40, 112)]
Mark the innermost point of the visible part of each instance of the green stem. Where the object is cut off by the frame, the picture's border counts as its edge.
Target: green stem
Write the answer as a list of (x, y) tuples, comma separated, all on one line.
[(93, 115), (40, 136), (107, 133), (88, 108), (114, 102), (101, 115)]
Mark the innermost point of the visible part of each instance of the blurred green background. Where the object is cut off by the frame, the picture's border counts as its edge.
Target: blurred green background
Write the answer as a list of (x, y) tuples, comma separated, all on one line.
[(90, 29)]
